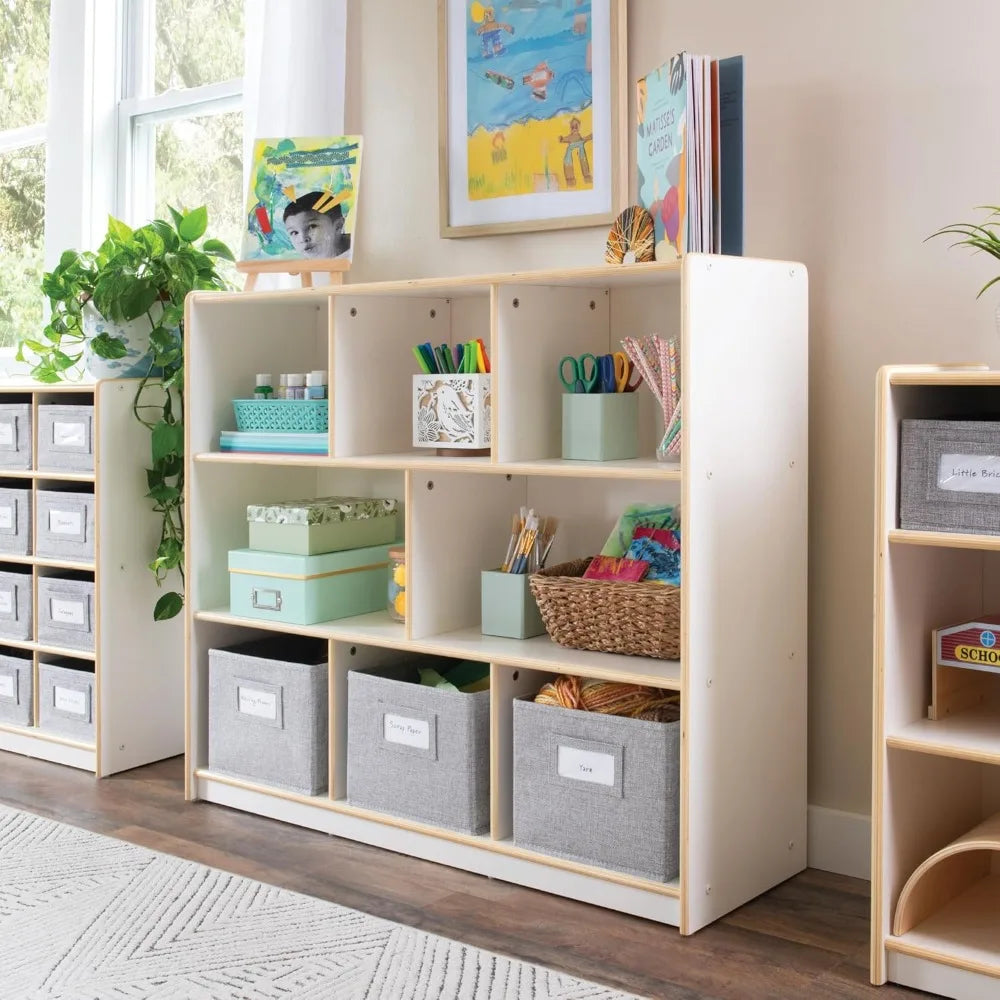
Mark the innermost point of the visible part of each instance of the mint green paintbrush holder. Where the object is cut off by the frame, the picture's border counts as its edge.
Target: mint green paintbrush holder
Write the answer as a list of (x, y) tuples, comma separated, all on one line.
[(600, 427), (509, 610)]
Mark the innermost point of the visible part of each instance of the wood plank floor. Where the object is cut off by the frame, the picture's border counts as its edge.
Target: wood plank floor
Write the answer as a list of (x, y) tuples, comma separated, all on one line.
[(807, 938)]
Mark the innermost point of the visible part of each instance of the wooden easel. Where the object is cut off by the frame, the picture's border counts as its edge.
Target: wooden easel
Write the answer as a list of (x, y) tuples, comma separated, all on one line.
[(335, 267)]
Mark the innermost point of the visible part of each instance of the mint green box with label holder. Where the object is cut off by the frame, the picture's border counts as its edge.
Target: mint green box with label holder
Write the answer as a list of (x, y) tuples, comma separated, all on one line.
[(600, 427), (304, 590), (322, 524)]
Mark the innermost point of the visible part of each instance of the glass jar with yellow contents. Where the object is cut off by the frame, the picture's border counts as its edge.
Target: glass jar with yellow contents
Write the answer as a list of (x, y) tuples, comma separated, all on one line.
[(397, 583)]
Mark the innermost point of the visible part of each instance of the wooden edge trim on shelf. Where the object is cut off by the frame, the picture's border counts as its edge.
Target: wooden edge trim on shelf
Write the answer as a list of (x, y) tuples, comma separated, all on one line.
[(33, 732), (942, 958), (471, 840), (946, 874), (944, 539), (943, 750)]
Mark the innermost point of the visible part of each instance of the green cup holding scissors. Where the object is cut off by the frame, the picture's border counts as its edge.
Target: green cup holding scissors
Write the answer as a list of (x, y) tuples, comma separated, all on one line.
[(580, 380)]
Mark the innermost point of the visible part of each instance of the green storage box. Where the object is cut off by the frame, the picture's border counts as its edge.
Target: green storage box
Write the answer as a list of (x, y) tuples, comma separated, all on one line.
[(322, 524), (303, 590), (508, 607), (600, 427)]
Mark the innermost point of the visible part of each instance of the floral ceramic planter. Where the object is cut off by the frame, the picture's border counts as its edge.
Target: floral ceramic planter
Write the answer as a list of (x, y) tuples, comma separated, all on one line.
[(451, 411), (135, 334)]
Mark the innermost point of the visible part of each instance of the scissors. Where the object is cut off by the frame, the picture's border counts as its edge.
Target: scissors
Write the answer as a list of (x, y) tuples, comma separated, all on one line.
[(615, 372), (579, 380)]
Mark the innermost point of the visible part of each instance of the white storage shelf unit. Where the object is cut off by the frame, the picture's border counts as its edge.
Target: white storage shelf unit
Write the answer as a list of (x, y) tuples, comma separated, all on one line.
[(741, 482), (933, 781), (138, 681)]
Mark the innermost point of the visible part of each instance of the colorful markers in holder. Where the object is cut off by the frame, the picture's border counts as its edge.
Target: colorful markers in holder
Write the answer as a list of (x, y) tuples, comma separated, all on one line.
[(469, 358)]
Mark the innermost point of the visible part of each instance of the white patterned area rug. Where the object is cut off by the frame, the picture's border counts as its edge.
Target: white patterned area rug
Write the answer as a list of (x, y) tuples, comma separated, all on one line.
[(86, 917)]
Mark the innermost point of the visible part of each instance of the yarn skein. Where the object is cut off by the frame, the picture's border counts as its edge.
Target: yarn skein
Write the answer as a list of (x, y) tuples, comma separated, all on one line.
[(611, 698)]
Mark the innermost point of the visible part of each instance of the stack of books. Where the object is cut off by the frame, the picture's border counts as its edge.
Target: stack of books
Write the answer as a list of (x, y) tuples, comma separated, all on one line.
[(689, 154)]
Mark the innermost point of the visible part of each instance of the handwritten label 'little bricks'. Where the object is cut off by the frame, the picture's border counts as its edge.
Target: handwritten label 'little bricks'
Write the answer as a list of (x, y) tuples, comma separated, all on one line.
[(969, 473)]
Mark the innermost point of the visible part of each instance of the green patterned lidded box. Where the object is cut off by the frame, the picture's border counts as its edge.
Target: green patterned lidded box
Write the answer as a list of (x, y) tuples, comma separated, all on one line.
[(322, 524)]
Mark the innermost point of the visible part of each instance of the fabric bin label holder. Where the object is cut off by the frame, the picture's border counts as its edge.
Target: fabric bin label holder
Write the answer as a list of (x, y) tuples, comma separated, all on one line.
[(8, 432), (9, 504), (71, 700), (270, 599), (10, 690), (70, 612), (259, 703), (71, 436), (960, 469), (68, 520), (406, 730), (587, 766), (8, 598)]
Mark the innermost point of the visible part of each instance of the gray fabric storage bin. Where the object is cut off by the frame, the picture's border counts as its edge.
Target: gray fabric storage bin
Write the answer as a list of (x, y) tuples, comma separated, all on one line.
[(16, 682), (64, 524), (599, 789), (65, 437), (949, 476), (268, 712), (418, 752), (15, 604), (15, 435), (66, 698), (15, 520), (66, 611)]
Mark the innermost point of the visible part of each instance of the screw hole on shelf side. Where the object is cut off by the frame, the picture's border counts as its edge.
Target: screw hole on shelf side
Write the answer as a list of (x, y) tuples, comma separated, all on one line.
[(354, 310), (515, 675), (517, 302), (354, 650), (430, 484), (593, 304), (433, 313), (509, 477)]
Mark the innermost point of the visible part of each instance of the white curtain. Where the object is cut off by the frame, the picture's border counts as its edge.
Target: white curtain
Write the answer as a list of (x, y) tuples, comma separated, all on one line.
[(295, 68)]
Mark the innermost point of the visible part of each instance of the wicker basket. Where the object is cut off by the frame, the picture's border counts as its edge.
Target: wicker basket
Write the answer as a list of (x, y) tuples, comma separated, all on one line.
[(308, 416), (638, 619)]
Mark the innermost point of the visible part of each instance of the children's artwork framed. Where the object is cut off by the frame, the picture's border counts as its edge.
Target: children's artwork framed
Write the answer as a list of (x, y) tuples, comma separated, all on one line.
[(532, 114), (302, 204)]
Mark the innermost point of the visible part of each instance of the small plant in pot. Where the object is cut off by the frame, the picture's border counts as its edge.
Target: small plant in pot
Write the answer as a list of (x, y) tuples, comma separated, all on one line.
[(984, 238), (120, 311)]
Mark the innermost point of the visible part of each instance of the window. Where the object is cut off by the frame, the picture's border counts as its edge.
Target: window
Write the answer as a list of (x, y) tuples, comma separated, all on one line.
[(180, 123), (24, 77)]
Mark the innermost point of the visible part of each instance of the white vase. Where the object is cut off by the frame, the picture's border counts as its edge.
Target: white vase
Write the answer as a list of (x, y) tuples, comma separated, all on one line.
[(135, 334)]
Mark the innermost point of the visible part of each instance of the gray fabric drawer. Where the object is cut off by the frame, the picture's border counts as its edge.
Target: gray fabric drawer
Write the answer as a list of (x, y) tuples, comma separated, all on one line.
[(949, 476), (599, 789), (64, 525), (66, 699), (15, 435), (65, 437), (66, 612), (15, 604), (418, 752), (268, 712), (16, 688), (15, 521)]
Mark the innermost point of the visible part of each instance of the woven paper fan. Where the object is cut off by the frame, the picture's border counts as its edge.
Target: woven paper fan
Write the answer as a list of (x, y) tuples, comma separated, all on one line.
[(632, 231)]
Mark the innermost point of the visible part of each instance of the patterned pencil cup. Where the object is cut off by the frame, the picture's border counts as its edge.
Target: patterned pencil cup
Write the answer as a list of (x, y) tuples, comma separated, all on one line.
[(509, 609), (600, 427), (452, 411)]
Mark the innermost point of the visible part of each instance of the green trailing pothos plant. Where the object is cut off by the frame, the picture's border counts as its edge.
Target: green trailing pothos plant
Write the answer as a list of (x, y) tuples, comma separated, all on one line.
[(983, 238), (145, 272)]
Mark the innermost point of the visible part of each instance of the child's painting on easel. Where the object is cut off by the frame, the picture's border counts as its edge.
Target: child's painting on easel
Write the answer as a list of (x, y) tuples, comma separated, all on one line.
[(302, 207)]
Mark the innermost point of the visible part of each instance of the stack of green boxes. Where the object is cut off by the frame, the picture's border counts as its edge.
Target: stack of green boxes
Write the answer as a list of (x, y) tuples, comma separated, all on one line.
[(314, 560)]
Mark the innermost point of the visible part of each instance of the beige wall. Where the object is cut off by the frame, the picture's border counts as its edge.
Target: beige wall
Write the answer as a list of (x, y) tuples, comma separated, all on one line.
[(869, 124)]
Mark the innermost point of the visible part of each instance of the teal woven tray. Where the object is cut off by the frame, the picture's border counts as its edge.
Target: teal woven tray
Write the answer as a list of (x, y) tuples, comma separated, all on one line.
[(309, 416)]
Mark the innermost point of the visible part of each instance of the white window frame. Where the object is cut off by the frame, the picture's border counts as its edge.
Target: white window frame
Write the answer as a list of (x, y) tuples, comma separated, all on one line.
[(139, 111)]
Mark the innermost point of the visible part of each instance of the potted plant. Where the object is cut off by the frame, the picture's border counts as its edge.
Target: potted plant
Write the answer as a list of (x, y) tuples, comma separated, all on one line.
[(120, 310), (984, 238)]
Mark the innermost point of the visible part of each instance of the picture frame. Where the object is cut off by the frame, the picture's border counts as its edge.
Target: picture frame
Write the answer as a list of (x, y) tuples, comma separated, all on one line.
[(532, 115)]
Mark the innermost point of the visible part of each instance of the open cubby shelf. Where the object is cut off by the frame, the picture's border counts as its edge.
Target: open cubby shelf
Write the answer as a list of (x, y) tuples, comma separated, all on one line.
[(741, 483), (138, 686), (935, 916)]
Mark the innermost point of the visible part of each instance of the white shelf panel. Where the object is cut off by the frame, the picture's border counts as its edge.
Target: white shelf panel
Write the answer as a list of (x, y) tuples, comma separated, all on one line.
[(33, 742), (541, 653), (376, 629), (972, 735), (965, 933), (945, 539)]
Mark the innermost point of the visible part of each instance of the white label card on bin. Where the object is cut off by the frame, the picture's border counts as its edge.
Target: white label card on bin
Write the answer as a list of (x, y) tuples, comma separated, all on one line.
[(7, 434), (7, 686), (69, 435), (67, 612), (408, 732), (260, 704), (6, 602), (969, 473), (7, 517), (65, 522), (69, 700), (586, 765)]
